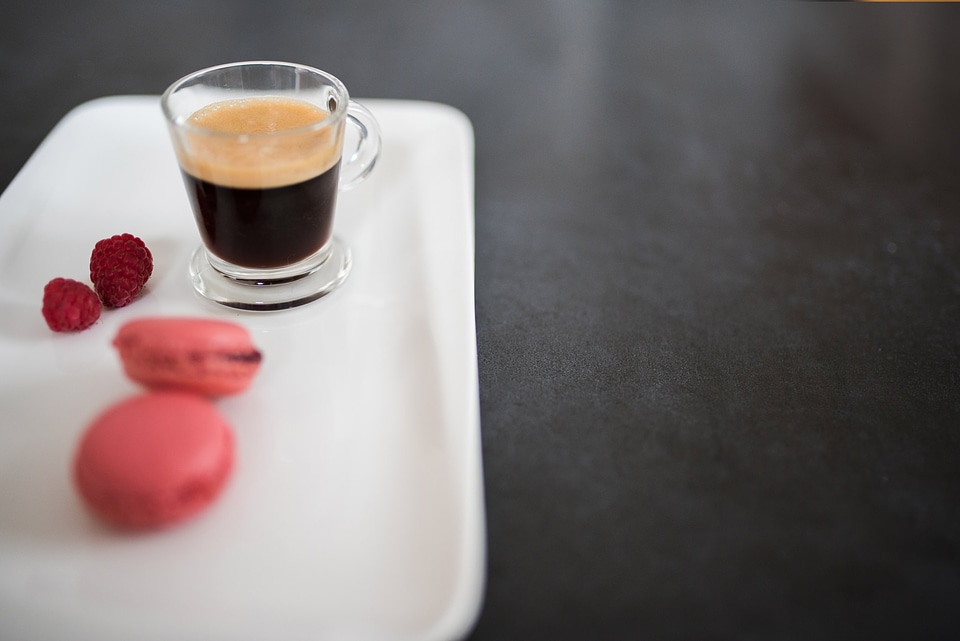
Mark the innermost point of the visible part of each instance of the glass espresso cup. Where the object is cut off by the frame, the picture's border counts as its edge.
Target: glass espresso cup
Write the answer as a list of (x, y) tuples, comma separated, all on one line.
[(261, 149)]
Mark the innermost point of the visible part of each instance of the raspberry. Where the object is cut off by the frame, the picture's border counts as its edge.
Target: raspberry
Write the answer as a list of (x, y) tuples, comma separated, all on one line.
[(119, 268), (69, 305)]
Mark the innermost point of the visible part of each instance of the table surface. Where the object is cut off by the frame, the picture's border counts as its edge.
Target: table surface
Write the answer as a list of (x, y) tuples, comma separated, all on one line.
[(717, 286)]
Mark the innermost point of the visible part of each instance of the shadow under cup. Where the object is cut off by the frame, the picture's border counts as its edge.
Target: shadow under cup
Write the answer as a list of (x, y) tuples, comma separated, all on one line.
[(260, 148)]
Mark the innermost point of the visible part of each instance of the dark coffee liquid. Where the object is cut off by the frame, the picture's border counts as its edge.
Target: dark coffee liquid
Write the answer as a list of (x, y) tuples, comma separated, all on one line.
[(265, 228)]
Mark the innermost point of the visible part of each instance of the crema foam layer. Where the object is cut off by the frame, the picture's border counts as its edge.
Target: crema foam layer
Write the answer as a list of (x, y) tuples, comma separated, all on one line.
[(258, 143)]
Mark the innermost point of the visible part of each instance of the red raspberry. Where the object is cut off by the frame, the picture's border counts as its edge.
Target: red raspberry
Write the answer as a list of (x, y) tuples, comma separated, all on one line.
[(69, 305), (119, 268)]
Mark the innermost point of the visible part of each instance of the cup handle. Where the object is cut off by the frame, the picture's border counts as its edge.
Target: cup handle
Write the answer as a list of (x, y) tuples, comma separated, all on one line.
[(358, 162)]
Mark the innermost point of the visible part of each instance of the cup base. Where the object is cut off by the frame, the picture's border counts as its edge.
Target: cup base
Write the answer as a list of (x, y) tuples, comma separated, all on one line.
[(289, 292)]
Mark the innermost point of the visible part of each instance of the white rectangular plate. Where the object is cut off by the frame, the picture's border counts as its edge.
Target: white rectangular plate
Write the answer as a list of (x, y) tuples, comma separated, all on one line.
[(356, 506)]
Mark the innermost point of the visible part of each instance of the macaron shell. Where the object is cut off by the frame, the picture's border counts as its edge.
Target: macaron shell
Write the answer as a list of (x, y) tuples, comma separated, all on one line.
[(210, 357), (154, 459)]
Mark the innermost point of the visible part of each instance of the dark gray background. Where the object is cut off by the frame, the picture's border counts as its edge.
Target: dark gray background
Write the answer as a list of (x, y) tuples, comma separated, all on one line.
[(718, 286)]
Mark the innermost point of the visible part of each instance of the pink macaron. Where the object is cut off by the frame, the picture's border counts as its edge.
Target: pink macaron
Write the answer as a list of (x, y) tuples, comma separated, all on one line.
[(210, 357), (154, 459)]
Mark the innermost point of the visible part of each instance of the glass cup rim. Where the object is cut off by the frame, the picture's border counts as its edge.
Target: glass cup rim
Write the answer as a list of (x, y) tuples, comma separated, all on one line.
[(331, 120)]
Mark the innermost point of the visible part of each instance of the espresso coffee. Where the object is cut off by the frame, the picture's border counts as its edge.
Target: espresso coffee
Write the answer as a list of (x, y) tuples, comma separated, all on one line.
[(263, 201), (265, 228)]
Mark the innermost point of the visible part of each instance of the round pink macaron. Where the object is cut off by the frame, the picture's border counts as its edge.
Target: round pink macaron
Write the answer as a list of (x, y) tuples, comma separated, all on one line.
[(203, 355), (154, 459)]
